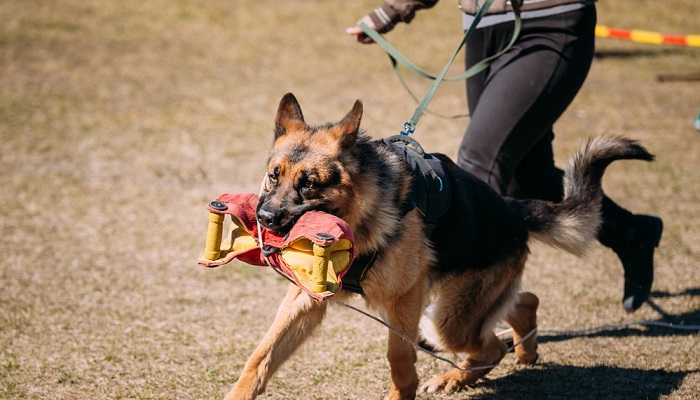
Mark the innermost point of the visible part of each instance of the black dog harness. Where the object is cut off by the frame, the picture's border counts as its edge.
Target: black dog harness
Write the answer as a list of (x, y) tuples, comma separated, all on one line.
[(430, 194)]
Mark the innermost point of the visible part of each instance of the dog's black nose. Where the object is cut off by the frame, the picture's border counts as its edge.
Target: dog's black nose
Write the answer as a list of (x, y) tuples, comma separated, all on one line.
[(266, 218)]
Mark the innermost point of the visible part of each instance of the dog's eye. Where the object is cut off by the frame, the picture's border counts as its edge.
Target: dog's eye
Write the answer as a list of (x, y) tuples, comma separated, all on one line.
[(309, 184), (272, 178)]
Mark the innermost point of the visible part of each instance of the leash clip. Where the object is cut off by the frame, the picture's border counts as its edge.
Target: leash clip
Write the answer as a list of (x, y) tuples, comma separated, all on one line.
[(408, 128)]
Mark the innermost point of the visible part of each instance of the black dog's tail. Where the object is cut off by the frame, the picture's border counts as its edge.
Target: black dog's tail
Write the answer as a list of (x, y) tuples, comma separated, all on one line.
[(573, 224)]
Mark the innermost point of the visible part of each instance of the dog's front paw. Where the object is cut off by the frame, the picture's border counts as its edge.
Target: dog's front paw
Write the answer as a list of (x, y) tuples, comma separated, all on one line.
[(444, 383), (396, 395), (245, 390), (407, 393)]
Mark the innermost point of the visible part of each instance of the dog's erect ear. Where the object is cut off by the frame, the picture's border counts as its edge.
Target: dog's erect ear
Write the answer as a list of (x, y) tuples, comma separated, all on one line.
[(288, 113), (347, 129)]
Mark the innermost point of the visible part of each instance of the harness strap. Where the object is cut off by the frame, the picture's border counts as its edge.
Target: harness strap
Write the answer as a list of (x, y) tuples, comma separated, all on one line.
[(396, 57), (352, 281), (430, 188)]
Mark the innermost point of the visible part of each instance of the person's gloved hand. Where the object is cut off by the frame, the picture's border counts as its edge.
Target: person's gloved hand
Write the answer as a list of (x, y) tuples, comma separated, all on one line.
[(359, 34), (381, 19)]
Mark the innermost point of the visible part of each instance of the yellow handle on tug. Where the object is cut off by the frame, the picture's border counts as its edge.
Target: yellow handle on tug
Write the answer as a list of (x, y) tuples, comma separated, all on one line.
[(322, 255), (215, 230)]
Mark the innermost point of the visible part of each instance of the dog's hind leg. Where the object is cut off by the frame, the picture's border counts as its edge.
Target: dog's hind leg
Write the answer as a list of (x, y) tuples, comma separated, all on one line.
[(483, 355), (467, 310), (523, 319), (296, 318)]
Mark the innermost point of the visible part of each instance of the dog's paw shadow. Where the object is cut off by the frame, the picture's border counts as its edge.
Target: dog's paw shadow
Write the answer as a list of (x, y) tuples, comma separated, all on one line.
[(551, 381)]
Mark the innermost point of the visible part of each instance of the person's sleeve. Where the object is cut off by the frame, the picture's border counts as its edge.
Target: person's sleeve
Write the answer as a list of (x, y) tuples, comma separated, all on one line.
[(391, 12)]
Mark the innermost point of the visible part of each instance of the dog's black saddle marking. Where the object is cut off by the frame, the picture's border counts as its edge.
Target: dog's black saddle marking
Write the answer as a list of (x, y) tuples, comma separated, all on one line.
[(430, 194)]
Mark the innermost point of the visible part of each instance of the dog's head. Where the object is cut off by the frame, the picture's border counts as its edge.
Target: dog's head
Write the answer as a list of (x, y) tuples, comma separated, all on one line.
[(309, 167)]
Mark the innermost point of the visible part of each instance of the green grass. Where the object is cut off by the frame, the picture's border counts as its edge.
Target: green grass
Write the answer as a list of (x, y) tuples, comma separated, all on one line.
[(119, 121)]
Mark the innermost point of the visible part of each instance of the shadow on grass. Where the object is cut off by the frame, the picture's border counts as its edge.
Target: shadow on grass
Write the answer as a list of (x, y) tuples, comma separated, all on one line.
[(682, 324), (549, 381), (686, 292)]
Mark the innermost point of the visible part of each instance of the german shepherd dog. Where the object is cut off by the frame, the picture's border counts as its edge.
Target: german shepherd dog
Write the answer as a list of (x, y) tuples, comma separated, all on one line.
[(468, 268)]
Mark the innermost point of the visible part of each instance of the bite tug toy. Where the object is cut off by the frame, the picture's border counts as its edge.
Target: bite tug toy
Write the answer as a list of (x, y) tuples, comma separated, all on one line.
[(314, 254)]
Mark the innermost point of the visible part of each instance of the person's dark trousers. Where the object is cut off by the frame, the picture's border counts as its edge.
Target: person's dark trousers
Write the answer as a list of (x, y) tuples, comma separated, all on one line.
[(513, 106)]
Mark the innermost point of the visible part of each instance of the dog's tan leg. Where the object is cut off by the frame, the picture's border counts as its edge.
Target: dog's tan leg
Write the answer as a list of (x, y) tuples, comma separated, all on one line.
[(404, 315), (481, 357), (296, 318), (467, 309), (523, 319)]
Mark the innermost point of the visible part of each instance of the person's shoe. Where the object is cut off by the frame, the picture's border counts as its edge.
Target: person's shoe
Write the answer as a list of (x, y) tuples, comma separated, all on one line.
[(637, 256)]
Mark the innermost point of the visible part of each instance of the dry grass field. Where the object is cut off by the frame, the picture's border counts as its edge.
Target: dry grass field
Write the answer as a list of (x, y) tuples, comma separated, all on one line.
[(120, 120)]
